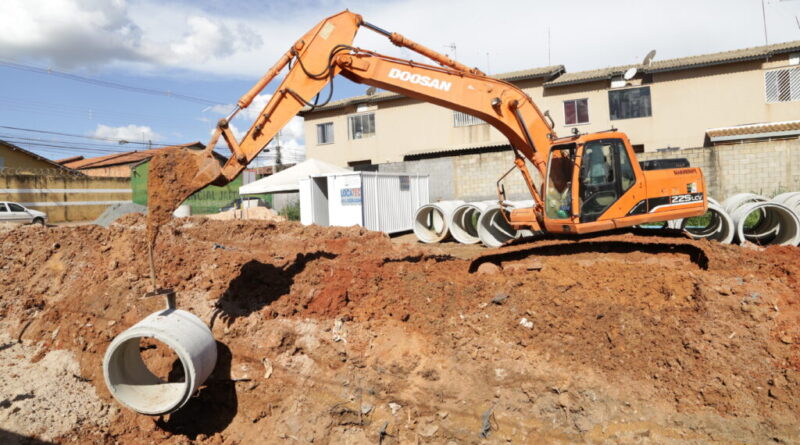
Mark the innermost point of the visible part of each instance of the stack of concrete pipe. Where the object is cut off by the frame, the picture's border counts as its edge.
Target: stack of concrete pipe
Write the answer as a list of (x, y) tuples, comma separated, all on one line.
[(778, 223), (482, 221), (467, 223)]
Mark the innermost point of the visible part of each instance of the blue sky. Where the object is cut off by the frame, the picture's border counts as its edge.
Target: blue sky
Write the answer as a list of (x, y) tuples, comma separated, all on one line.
[(217, 49)]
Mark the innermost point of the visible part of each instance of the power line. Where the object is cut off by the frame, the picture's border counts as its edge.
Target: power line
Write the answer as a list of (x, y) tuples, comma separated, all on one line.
[(39, 107), (70, 144), (99, 138), (81, 143), (107, 84)]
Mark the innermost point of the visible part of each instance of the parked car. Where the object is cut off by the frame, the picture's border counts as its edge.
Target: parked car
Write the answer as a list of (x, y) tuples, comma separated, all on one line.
[(16, 213), (248, 202)]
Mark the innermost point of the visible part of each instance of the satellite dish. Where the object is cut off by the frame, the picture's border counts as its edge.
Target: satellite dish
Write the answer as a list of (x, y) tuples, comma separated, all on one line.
[(649, 58), (371, 91), (629, 74)]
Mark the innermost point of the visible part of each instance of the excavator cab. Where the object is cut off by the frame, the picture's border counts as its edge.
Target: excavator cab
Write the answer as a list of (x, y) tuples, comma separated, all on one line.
[(594, 183)]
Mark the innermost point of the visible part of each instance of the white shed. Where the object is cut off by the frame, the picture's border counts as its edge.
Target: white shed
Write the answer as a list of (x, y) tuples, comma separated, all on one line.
[(384, 202)]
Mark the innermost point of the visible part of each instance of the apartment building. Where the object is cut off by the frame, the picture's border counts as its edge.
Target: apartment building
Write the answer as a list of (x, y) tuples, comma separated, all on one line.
[(660, 104)]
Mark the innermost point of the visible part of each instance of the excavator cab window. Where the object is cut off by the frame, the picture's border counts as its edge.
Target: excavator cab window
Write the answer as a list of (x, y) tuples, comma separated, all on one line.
[(558, 196), (606, 173)]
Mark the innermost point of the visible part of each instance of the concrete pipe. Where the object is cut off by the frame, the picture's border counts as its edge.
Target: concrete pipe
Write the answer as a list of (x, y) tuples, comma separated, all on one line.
[(735, 201), (720, 227), (182, 211), (493, 230), (777, 224), (783, 198), (764, 230), (432, 221), (464, 223), (791, 200), (133, 385)]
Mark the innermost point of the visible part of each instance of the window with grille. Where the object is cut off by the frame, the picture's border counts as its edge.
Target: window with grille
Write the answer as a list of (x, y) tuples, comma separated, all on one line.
[(465, 120), (629, 103), (576, 111), (325, 133), (782, 85), (362, 125)]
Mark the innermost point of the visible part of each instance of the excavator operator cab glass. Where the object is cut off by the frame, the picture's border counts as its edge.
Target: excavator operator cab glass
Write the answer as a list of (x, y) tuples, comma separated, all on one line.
[(606, 173), (558, 194)]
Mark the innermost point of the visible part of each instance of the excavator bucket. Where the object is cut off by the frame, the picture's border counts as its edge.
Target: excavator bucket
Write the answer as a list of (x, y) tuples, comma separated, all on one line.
[(174, 175)]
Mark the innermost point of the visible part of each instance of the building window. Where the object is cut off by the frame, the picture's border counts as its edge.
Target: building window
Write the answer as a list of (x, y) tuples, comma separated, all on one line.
[(782, 85), (576, 111), (362, 125), (465, 120), (629, 103), (325, 133)]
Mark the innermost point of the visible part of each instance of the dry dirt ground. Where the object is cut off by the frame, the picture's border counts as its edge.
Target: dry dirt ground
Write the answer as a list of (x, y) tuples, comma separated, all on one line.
[(341, 336)]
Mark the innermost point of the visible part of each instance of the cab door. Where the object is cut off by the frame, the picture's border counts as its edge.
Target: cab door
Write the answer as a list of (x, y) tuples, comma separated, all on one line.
[(606, 174)]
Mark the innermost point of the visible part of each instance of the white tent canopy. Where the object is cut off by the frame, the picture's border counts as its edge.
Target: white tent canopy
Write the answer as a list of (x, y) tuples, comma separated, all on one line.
[(288, 180)]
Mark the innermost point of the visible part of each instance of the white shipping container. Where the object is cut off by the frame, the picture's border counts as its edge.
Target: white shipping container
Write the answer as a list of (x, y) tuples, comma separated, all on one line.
[(384, 202)]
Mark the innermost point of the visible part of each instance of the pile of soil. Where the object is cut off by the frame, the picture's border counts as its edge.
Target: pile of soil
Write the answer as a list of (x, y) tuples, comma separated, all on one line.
[(170, 180), (339, 335)]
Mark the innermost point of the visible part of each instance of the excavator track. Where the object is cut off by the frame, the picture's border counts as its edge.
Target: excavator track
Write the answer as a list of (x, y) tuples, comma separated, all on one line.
[(616, 241)]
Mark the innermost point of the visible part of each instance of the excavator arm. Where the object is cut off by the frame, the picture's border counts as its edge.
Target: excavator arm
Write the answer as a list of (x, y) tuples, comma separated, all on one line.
[(325, 52)]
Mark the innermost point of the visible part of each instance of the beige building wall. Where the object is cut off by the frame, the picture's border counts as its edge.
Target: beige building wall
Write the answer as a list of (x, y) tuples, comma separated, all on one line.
[(684, 104), (21, 161), (402, 126)]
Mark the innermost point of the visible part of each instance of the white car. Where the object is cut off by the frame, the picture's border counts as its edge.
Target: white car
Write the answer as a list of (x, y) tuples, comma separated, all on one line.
[(15, 213)]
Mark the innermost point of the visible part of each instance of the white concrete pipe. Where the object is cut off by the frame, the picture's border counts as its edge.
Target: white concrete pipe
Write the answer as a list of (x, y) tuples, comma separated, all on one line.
[(783, 198), (432, 221), (733, 202), (493, 230), (778, 224), (791, 200), (134, 386), (720, 228), (182, 211), (464, 223)]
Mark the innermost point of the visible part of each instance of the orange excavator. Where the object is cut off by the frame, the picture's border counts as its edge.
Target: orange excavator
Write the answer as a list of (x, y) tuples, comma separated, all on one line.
[(590, 182)]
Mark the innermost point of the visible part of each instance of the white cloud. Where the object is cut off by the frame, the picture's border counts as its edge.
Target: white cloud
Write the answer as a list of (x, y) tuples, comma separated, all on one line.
[(241, 39), (69, 33), (97, 33), (130, 133)]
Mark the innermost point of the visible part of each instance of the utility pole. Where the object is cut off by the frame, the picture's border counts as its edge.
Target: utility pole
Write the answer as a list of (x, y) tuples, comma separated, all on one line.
[(764, 19)]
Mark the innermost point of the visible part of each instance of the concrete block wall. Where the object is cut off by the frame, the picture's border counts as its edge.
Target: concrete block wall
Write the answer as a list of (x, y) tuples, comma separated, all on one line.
[(468, 177), (439, 171)]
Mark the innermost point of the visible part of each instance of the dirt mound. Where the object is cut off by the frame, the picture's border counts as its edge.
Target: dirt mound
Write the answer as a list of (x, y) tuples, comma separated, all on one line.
[(339, 335)]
